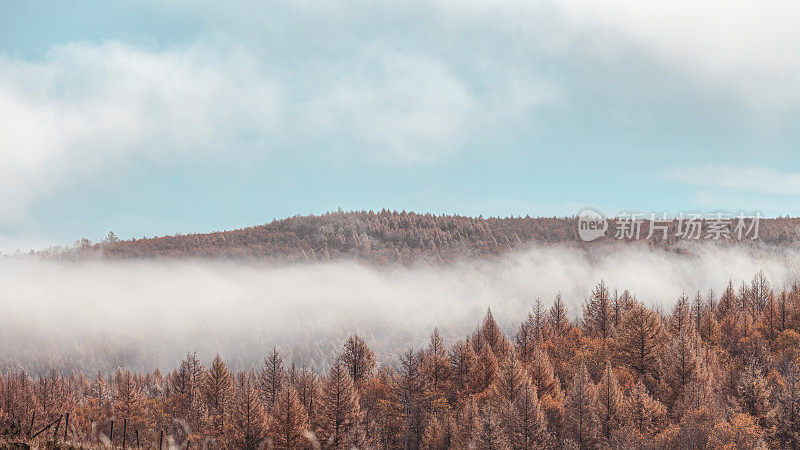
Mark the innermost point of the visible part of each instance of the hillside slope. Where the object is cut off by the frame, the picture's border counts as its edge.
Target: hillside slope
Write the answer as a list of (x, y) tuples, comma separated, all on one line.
[(392, 237)]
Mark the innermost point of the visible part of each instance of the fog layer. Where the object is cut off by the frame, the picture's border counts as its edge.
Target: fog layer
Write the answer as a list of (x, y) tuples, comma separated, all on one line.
[(99, 314)]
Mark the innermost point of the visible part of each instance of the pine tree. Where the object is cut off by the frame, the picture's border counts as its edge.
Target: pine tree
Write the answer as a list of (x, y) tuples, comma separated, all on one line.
[(248, 418), (288, 421)]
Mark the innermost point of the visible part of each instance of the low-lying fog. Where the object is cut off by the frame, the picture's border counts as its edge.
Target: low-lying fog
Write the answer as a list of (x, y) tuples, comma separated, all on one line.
[(99, 314)]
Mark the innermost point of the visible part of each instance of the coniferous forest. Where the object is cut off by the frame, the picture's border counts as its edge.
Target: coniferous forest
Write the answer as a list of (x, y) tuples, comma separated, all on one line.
[(718, 370), (392, 237), (400, 225)]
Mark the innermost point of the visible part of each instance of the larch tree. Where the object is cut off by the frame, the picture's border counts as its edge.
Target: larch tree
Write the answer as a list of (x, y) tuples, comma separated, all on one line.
[(610, 402), (490, 434), (358, 359), (486, 369), (639, 343), (620, 305), (759, 292), (582, 423), (184, 385), (524, 341), (129, 402), (557, 316), (217, 390), (288, 421), (754, 393), (681, 369), (271, 379), (410, 390), (307, 388), (646, 414), (339, 411), (247, 415), (541, 374), (597, 312), (509, 382), (491, 334), (787, 415), (463, 362), (681, 319), (525, 421), (435, 365)]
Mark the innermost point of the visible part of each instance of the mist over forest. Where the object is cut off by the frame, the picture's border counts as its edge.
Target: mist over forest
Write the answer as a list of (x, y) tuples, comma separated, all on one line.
[(98, 314)]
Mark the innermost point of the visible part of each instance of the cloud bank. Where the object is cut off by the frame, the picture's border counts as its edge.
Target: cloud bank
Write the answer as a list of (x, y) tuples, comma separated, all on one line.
[(96, 315)]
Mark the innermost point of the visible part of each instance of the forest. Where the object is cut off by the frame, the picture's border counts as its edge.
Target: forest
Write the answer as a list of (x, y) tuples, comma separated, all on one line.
[(716, 370), (388, 237)]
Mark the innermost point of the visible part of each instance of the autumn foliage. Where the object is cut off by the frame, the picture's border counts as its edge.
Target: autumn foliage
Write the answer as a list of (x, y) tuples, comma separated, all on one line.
[(715, 371), (392, 237)]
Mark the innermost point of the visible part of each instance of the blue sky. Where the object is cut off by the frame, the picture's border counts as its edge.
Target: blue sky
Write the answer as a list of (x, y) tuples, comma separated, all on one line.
[(151, 118)]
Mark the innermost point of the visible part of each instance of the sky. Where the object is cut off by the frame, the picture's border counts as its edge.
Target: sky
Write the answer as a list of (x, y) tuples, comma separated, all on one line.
[(160, 117)]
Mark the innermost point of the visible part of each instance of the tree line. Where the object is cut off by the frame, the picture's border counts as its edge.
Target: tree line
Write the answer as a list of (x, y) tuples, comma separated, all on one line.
[(718, 370), (385, 237)]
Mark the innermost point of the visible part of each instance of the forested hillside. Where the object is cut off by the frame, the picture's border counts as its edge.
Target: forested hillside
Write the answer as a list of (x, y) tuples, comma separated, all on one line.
[(719, 370), (394, 237)]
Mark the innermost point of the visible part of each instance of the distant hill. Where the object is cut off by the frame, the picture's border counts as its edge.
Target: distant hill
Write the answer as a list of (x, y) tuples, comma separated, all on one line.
[(392, 237)]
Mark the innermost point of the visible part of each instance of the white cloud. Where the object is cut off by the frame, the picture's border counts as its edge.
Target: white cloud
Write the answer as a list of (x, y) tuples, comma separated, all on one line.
[(748, 49), (86, 106), (407, 107), (750, 179)]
